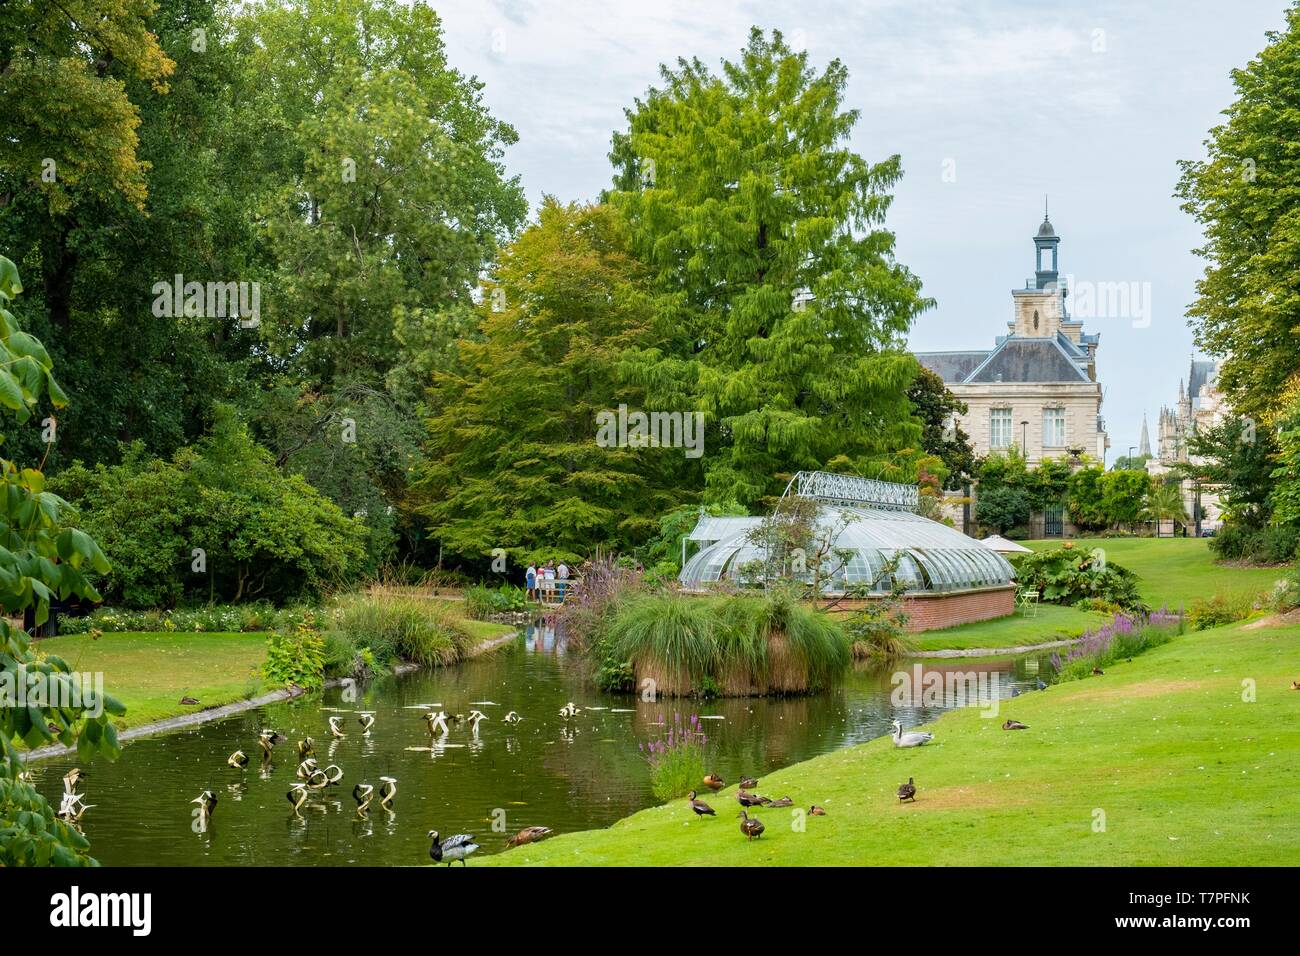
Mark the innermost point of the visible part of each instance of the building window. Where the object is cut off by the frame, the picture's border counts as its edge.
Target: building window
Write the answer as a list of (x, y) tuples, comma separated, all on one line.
[(1053, 427), (1000, 428)]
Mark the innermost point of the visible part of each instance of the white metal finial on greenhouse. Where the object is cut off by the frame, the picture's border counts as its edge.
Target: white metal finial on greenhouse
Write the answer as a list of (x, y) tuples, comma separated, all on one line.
[(852, 490)]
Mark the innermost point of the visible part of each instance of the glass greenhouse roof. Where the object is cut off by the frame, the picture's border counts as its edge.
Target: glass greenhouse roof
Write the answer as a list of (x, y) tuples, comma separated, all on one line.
[(933, 556)]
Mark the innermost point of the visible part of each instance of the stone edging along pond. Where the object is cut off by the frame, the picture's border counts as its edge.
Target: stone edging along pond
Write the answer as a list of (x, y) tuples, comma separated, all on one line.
[(993, 651), (226, 710)]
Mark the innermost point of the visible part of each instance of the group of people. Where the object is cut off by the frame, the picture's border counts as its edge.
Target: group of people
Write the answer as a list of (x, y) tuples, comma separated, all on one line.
[(547, 583)]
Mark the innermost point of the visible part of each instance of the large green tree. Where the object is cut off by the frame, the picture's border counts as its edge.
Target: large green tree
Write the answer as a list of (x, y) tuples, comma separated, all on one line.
[(743, 196)]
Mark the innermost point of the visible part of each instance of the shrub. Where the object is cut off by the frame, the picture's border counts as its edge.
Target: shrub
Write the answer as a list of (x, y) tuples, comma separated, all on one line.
[(1002, 507), (1276, 545), (678, 759), (396, 628), (1067, 575), (483, 602), (296, 656), (1285, 595), (1123, 637), (217, 618), (1218, 610)]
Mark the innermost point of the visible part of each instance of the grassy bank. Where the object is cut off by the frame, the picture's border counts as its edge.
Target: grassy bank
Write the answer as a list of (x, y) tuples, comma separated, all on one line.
[(1183, 770), (151, 672), (1051, 623)]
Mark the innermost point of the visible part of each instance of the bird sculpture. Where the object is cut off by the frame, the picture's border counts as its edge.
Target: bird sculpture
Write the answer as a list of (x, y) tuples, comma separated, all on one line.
[(336, 727), (267, 740), (71, 779), (437, 724), (476, 717), (511, 718), (306, 769), (387, 791), (911, 739), (207, 801), (907, 791), (72, 807), (363, 793), (701, 808), (366, 720), (297, 795), (451, 849), (306, 748), (238, 760), (750, 826), (569, 711), (528, 835)]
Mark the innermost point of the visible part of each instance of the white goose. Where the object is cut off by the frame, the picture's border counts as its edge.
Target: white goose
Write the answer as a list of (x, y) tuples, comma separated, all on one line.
[(910, 739)]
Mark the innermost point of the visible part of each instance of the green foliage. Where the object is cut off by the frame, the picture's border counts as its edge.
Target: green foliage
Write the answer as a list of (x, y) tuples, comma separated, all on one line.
[(663, 552), (1285, 496), (1121, 639), (678, 759), (253, 617), (398, 628), (482, 602), (1002, 507), (1236, 542), (1165, 503), (941, 436), (1068, 575), (41, 557), (1220, 609), (743, 196), (263, 535), (296, 656)]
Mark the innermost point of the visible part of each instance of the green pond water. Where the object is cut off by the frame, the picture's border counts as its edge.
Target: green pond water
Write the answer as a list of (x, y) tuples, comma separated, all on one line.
[(546, 771)]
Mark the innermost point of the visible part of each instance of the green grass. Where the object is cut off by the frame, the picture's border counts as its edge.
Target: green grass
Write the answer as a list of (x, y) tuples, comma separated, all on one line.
[(1175, 570), (1185, 772), (1051, 623), (151, 672)]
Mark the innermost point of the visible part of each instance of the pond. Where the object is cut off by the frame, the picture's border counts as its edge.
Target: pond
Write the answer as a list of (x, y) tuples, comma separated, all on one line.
[(546, 771)]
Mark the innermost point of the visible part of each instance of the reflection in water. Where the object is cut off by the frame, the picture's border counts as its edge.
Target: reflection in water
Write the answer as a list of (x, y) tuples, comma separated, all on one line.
[(544, 771)]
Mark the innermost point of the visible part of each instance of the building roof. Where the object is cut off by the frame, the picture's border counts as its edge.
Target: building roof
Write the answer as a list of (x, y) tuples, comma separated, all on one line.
[(1029, 360), (1045, 230), (1202, 373), (952, 366)]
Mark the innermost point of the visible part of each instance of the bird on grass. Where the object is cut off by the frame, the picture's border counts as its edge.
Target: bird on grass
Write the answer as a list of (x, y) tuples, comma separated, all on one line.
[(816, 811), (911, 739), (238, 760), (511, 718), (907, 791), (366, 720), (336, 727), (751, 799), (297, 795), (1295, 685), (750, 827), (387, 790), (528, 835), (363, 793), (701, 808), (306, 748), (267, 740), (207, 801), (451, 849), (783, 802), (188, 701), (1097, 672), (1014, 725), (713, 781), (748, 783)]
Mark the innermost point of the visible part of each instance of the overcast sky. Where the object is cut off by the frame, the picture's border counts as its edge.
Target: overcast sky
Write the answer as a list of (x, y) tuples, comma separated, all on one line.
[(990, 104)]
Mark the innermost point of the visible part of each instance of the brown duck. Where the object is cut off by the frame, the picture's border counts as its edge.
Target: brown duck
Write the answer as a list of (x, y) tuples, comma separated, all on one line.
[(748, 783), (713, 781), (816, 811), (750, 799), (1097, 672), (1014, 725), (783, 802), (907, 791), (529, 835), (751, 828), (701, 808)]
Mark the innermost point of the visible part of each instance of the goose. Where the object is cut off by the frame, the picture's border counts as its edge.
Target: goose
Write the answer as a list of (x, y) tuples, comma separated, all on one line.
[(511, 718), (713, 781), (750, 827), (701, 808), (238, 760), (913, 739), (451, 849), (907, 791), (816, 811), (306, 768), (387, 790), (71, 779), (207, 801), (366, 720), (363, 793), (297, 795), (306, 748), (569, 711), (267, 739), (437, 724), (748, 783), (1014, 725), (336, 727), (783, 802), (528, 835)]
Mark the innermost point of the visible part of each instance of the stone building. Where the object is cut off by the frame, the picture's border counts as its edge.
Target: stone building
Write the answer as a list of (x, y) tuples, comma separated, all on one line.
[(1200, 406), (1037, 388)]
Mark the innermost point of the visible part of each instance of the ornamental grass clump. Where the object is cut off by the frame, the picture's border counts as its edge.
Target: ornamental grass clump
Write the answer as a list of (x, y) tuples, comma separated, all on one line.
[(400, 628), (1124, 636), (677, 758)]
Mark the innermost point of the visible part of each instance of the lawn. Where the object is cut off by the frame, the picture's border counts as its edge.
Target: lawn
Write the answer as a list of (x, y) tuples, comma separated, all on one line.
[(150, 672), (1159, 761), (1051, 623), (1175, 570)]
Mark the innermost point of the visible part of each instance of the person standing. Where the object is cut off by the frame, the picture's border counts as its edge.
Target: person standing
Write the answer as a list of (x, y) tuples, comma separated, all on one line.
[(562, 580), (548, 581), (530, 578)]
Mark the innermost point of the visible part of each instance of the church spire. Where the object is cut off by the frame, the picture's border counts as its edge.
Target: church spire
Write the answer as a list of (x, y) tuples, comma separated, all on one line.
[(1144, 443)]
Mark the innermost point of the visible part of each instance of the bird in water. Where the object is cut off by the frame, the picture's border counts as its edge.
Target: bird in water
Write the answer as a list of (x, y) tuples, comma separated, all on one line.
[(238, 760), (451, 849), (912, 739), (267, 740), (363, 793), (569, 711), (907, 791), (336, 727), (207, 801), (748, 783), (71, 779), (306, 748), (366, 720), (511, 718), (1014, 725), (816, 811), (297, 795), (701, 808), (751, 827), (713, 781), (387, 790), (528, 835)]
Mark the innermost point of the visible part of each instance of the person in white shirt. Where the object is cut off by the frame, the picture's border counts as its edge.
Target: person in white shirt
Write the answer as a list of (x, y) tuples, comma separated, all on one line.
[(562, 580)]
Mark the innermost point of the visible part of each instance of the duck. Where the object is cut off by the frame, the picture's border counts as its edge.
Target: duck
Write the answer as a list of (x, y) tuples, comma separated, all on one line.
[(1040, 683), (748, 783), (713, 781), (306, 748), (363, 793), (297, 795), (1295, 685), (783, 802), (907, 791), (528, 835), (913, 739), (751, 827), (366, 720), (511, 718), (451, 849), (1014, 725), (267, 739), (1097, 672), (701, 808), (816, 811), (750, 799), (387, 790), (207, 801), (188, 701), (238, 760), (306, 768), (336, 727), (569, 711), (71, 779)]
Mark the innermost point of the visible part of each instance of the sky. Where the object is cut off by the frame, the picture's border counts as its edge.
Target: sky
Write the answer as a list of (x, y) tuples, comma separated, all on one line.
[(992, 106)]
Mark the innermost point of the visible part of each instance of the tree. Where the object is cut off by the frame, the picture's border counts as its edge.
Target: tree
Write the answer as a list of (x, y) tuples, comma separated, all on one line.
[(1243, 196), (1002, 507), (41, 556), (744, 199), (1134, 463), (514, 456), (1240, 459), (1123, 496), (941, 435), (1285, 496), (1165, 503), (1085, 501)]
